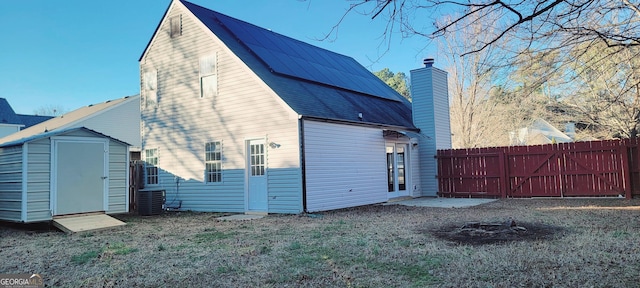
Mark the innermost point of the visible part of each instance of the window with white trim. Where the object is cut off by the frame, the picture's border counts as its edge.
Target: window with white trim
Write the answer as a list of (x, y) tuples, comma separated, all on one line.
[(151, 166), (175, 26), (213, 162), (256, 153), (208, 78), (150, 85)]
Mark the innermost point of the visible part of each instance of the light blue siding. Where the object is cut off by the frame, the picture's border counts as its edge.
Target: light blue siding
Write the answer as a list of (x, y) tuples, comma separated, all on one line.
[(285, 190), (227, 196), (431, 116)]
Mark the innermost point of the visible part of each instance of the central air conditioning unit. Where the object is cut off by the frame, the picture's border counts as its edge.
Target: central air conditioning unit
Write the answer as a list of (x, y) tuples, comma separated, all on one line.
[(150, 202)]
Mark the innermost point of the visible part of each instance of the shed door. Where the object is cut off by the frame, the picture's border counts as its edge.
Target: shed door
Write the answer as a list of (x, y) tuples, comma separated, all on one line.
[(257, 172), (81, 175)]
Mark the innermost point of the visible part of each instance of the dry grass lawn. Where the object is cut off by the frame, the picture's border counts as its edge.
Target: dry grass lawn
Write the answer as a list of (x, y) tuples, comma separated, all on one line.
[(598, 245)]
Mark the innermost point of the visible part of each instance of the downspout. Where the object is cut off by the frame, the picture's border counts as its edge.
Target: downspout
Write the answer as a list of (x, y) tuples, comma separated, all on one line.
[(302, 164)]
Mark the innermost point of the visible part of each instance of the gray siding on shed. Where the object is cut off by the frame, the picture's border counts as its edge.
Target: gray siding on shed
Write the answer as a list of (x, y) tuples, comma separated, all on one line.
[(11, 183), (118, 180), (25, 174), (38, 180)]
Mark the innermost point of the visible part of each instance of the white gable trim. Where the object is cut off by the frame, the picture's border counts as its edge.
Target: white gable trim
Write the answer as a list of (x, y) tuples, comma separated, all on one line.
[(25, 173), (153, 38)]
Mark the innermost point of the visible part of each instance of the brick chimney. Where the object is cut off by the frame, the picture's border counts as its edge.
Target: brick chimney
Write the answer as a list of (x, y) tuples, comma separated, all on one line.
[(430, 107)]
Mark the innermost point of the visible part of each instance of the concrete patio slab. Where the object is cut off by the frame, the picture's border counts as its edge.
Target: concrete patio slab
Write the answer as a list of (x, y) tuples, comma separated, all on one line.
[(441, 202)]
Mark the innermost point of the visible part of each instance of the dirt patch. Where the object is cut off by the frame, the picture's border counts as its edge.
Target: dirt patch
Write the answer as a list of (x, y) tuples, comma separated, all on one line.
[(483, 233)]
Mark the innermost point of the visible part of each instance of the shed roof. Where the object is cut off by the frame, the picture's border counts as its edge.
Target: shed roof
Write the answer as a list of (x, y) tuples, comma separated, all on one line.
[(314, 82), (64, 121), (54, 133)]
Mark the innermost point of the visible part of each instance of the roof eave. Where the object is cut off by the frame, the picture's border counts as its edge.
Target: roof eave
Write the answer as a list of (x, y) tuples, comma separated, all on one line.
[(56, 132), (359, 123)]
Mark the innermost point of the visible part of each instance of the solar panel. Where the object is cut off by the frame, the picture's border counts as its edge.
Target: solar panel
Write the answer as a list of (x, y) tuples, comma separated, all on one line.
[(298, 59)]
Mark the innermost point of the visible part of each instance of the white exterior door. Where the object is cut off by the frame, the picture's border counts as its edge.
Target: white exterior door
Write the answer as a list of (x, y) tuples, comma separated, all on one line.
[(397, 170), (257, 175), (80, 171)]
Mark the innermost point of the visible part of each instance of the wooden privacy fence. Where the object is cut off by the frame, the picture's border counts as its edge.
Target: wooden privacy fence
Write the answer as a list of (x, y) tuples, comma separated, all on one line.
[(609, 168)]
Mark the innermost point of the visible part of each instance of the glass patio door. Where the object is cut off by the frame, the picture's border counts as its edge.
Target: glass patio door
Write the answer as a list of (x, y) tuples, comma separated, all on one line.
[(397, 170)]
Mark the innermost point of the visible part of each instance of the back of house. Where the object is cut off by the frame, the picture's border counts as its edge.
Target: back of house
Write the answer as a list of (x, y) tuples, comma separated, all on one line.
[(237, 118)]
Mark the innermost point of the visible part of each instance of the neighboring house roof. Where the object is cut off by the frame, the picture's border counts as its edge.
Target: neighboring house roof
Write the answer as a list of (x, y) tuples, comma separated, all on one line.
[(540, 132), (30, 120), (548, 131), (7, 115), (67, 120), (53, 133), (314, 82)]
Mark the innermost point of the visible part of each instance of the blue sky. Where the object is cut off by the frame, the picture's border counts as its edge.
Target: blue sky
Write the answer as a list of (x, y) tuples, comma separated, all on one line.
[(73, 53)]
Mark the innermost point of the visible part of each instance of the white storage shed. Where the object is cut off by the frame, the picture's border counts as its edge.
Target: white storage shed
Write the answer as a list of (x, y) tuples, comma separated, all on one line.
[(62, 172)]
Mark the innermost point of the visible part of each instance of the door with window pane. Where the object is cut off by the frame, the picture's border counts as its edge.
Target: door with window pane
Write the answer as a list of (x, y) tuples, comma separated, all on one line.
[(257, 175), (397, 170)]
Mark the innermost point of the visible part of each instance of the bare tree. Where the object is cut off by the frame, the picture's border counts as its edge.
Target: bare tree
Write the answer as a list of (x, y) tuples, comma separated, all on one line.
[(577, 55), (540, 26), (609, 94), (474, 122), (50, 110), (540, 23)]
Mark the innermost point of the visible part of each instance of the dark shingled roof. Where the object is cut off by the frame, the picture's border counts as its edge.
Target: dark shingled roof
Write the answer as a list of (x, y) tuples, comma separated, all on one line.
[(7, 115), (30, 120), (314, 82)]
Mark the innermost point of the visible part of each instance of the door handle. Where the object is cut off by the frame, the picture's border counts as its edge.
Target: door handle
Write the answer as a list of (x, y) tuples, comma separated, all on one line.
[(104, 177)]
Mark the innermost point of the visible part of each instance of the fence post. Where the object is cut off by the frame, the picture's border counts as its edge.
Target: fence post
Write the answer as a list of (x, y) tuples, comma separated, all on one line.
[(626, 168), (504, 174)]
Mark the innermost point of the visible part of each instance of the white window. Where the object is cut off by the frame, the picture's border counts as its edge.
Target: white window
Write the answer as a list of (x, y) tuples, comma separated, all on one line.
[(150, 87), (151, 163), (257, 159), (175, 26), (213, 162), (208, 79)]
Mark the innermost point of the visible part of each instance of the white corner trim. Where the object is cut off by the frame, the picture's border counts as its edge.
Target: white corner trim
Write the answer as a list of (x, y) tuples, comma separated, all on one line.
[(25, 171)]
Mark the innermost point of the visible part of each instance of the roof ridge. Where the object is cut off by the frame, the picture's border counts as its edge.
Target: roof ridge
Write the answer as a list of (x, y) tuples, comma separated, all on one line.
[(295, 58)]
